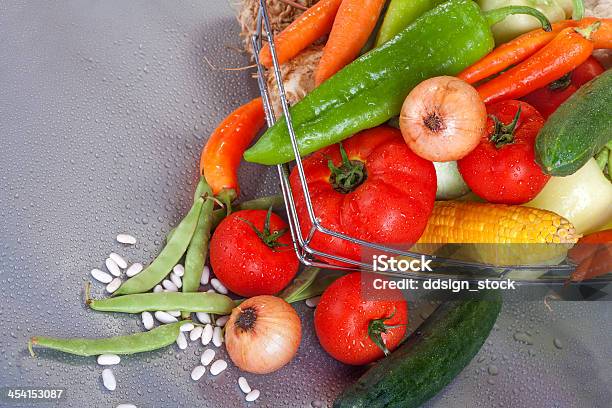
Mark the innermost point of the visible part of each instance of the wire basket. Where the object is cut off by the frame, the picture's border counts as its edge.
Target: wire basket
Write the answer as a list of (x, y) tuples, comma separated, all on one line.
[(448, 267)]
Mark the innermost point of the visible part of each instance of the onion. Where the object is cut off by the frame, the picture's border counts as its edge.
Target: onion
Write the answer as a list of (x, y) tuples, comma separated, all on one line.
[(443, 119), (262, 334)]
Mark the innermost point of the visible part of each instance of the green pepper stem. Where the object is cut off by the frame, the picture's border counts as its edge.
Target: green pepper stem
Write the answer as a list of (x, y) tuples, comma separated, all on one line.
[(496, 15), (577, 9), (227, 195), (587, 31)]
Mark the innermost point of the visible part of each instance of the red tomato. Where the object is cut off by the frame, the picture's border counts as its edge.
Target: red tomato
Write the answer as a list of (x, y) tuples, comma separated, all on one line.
[(385, 194), (342, 319), (502, 168), (249, 264), (546, 100)]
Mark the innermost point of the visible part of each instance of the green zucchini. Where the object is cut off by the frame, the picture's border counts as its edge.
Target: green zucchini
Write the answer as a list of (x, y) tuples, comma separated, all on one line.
[(431, 357), (578, 129)]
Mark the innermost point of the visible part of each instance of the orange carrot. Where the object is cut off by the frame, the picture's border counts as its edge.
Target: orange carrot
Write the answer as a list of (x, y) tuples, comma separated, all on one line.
[(303, 31), (570, 48), (529, 43), (222, 153), (512, 52), (354, 23)]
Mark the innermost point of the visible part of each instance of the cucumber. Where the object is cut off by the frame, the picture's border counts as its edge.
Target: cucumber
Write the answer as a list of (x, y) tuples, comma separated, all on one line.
[(578, 129), (431, 357)]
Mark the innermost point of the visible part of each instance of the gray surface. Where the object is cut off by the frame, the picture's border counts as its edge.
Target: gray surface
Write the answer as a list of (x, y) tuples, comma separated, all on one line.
[(104, 107)]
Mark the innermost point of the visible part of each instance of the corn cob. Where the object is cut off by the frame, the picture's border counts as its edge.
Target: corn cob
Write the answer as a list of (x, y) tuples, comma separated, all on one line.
[(467, 222), (497, 234)]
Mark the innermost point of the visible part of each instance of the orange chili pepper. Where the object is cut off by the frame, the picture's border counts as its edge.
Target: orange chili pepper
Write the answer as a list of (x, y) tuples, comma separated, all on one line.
[(570, 48), (222, 153)]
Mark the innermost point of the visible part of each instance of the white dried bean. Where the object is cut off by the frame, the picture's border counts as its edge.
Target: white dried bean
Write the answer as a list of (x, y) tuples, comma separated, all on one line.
[(196, 333), (244, 385), (119, 260), (169, 286), (157, 289), (218, 367), (207, 356), (174, 313), (252, 396), (108, 359), (108, 379), (216, 283), (113, 285), (112, 267), (126, 239), (207, 334), (211, 291), (205, 276), (181, 341), (222, 320), (176, 280), (147, 320), (198, 372), (179, 270), (313, 302), (203, 317), (101, 276), (186, 327), (134, 269), (164, 317), (217, 336)]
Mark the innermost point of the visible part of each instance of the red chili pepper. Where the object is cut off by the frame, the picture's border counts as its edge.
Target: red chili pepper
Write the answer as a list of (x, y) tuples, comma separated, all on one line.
[(570, 48), (547, 99), (223, 152)]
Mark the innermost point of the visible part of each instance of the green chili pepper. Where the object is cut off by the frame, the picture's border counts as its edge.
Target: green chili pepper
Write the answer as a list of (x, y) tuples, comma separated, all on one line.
[(400, 14), (150, 302), (157, 338), (198, 247), (371, 90), (167, 258)]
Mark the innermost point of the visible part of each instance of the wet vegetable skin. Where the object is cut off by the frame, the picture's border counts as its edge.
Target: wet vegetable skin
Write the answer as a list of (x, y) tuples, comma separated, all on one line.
[(371, 90)]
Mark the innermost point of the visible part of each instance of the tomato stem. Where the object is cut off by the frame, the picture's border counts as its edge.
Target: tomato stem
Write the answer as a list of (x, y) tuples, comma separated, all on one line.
[(504, 133), (268, 238), (349, 175), (377, 327)]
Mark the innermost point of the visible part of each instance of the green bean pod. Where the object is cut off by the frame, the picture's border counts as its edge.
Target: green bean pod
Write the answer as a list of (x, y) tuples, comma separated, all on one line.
[(143, 302), (263, 203), (195, 257), (167, 258), (157, 338)]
